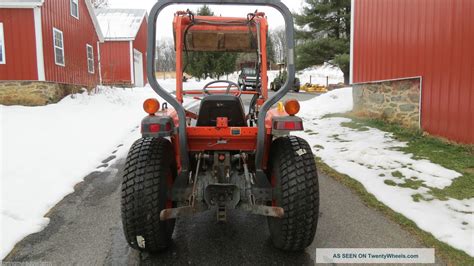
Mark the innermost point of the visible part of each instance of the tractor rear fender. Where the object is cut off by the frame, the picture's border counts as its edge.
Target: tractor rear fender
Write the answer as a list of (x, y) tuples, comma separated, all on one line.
[(278, 122), (283, 125), (262, 180), (157, 126)]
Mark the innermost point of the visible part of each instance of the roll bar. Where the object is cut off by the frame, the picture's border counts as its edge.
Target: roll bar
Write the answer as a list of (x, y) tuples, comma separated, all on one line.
[(283, 9)]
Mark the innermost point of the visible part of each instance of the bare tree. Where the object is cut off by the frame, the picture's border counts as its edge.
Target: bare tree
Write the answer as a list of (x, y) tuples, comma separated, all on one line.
[(100, 3), (165, 56), (279, 44)]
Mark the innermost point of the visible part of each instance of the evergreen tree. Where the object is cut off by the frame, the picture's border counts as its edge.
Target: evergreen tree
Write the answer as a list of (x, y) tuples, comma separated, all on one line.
[(326, 34), (205, 10), (209, 64)]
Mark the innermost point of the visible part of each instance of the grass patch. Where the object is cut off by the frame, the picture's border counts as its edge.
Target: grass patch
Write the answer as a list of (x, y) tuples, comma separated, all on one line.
[(417, 197), (410, 183), (450, 255), (459, 158), (397, 174), (390, 182), (336, 115), (355, 125)]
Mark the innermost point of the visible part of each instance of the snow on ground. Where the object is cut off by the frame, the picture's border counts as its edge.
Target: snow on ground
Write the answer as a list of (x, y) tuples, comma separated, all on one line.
[(371, 157), (46, 150), (317, 74)]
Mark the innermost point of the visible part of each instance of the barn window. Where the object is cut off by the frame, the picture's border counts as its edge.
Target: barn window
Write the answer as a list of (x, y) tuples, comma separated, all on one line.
[(90, 58), (2, 46), (75, 8), (58, 43)]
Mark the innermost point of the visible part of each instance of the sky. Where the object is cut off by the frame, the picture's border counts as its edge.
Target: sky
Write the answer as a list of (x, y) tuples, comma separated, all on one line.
[(165, 18)]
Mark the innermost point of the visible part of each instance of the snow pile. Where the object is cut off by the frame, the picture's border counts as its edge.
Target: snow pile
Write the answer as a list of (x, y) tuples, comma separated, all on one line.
[(372, 157), (336, 101), (318, 75), (46, 150), (233, 77)]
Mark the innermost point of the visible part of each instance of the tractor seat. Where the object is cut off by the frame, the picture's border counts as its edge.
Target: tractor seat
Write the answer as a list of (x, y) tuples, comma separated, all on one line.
[(214, 106)]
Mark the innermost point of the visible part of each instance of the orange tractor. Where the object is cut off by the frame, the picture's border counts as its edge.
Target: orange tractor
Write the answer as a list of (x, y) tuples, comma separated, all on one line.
[(220, 157)]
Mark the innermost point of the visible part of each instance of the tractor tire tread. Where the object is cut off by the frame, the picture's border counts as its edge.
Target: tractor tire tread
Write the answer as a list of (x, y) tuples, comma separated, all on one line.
[(146, 166), (299, 193)]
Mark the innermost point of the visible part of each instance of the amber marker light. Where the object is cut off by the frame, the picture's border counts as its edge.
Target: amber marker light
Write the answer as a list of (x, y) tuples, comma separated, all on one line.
[(151, 106), (292, 106)]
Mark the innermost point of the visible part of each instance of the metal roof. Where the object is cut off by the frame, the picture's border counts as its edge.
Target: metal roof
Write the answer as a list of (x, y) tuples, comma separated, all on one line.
[(120, 24)]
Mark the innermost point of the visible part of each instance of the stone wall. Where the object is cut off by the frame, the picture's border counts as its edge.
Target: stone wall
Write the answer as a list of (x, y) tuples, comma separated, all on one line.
[(394, 101), (34, 93)]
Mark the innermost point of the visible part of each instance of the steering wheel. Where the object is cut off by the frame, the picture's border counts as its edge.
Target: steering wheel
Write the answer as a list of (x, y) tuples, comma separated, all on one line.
[(231, 84)]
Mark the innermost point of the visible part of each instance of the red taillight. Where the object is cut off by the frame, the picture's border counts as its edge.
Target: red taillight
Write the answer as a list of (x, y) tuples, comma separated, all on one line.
[(156, 128), (288, 125), (153, 128)]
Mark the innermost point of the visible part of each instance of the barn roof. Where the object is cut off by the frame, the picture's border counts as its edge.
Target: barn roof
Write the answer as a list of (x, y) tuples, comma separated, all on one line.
[(95, 22), (120, 24)]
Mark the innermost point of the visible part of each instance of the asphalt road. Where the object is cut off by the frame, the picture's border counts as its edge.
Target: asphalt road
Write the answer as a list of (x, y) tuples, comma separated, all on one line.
[(85, 229)]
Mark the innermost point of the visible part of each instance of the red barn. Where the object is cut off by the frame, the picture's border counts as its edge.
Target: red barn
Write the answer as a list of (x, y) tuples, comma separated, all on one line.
[(123, 54), (428, 42), (47, 42)]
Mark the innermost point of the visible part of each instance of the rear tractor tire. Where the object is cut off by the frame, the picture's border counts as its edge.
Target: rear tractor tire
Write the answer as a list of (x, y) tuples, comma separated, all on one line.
[(149, 172), (296, 190)]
